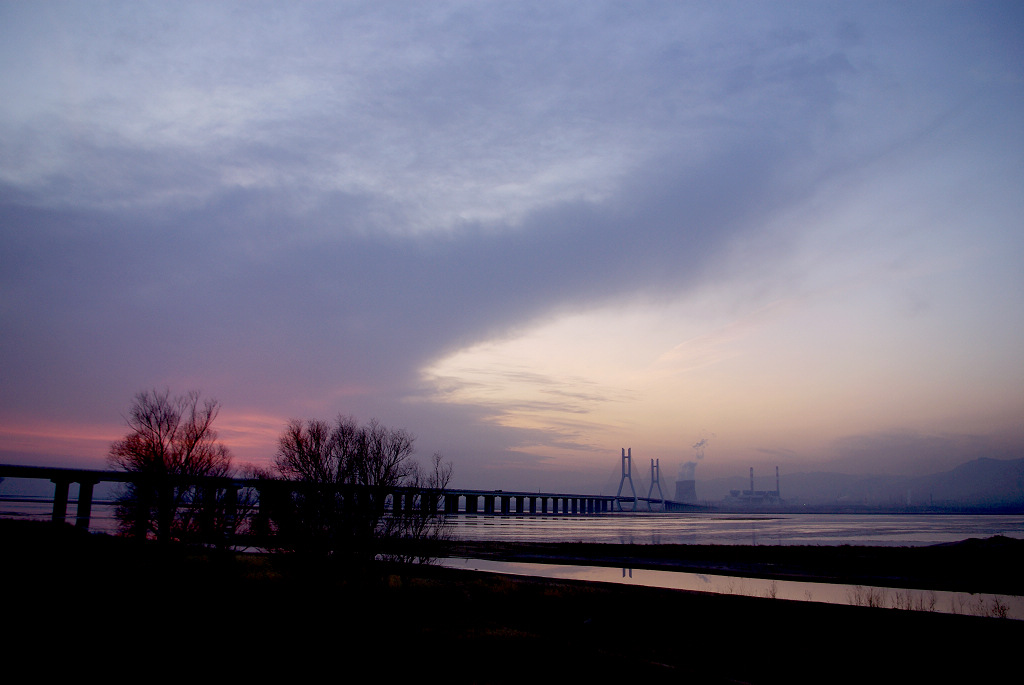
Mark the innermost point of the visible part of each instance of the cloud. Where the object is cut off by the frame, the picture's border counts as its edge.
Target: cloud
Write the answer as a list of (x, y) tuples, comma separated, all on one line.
[(301, 210)]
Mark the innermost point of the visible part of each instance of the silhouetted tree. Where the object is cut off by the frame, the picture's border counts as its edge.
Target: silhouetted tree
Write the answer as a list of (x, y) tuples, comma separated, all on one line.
[(316, 455), (416, 534), (342, 475), (170, 444)]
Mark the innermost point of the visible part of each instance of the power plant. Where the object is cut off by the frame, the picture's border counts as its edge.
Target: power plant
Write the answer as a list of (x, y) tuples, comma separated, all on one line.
[(685, 496), (754, 497)]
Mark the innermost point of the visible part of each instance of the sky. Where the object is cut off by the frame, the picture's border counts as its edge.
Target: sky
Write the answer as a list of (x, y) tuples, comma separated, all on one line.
[(531, 234)]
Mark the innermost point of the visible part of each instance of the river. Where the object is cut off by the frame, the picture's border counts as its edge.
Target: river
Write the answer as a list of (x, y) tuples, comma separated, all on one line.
[(909, 530), (742, 529)]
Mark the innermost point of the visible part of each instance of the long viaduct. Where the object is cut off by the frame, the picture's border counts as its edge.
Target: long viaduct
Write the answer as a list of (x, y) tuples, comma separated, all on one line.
[(450, 501)]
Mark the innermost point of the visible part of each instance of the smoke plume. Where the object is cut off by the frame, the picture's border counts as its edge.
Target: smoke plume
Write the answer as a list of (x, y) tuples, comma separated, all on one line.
[(687, 470)]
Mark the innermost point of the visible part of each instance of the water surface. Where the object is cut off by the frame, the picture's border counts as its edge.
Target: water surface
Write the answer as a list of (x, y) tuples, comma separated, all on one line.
[(830, 593), (910, 530)]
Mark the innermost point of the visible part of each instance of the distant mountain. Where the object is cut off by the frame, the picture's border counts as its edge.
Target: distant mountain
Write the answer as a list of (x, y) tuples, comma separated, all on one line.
[(982, 482)]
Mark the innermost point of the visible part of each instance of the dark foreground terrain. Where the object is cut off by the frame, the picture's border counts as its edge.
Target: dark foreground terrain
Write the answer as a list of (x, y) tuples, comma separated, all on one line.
[(76, 603)]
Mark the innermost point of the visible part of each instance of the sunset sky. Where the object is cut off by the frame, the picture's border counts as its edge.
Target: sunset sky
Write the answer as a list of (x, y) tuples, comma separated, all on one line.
[(532, 234)]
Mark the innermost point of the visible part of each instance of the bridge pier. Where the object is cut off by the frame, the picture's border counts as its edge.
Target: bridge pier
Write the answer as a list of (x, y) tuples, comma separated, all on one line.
[(428, 503), (231, 507), (60, 500), (489, 505), (207, 514), (84, 504), (83, 512)]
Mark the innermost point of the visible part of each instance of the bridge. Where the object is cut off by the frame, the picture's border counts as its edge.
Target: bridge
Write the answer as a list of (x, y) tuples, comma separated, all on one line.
[(406, 500), (450, 501)]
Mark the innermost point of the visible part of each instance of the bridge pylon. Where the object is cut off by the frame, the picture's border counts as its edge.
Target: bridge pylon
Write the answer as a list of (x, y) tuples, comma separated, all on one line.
[(627, 474), (655, 480)]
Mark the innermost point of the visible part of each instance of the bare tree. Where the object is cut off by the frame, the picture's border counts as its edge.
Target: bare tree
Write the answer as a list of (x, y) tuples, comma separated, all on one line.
[(345, 454), (170, 444), (416, 534), (317, 456), (384, 457), (345, 473), (309, 451)]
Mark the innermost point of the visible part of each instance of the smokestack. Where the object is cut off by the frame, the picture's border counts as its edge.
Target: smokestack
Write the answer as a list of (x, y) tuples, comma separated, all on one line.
[(751, 480), (778, 492)]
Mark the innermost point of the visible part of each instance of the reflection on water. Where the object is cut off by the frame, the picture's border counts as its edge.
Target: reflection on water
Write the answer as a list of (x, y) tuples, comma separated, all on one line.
[(101, 519), (830, 593), (739, 529)]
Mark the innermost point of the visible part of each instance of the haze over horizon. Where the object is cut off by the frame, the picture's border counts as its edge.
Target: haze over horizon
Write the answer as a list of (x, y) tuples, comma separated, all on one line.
[(529, 233)]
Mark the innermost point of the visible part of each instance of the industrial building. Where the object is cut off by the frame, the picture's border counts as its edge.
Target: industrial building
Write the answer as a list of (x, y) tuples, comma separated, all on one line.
[(754, 497)]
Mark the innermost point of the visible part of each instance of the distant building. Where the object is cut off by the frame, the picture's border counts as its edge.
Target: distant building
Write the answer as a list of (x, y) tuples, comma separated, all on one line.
[(753, 497)]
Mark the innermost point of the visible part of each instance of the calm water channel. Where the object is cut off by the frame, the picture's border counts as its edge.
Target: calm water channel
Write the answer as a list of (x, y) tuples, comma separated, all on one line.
[(831, 593), (752, 529)]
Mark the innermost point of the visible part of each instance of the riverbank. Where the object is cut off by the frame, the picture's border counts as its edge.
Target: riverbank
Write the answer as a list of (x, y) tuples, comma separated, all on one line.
[(107, 605)]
